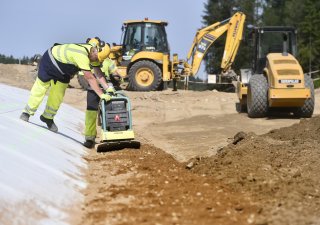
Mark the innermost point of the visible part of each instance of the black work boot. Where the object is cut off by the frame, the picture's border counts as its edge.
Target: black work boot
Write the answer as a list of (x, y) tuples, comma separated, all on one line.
[(89, 144), (25, 116), (50, 124)]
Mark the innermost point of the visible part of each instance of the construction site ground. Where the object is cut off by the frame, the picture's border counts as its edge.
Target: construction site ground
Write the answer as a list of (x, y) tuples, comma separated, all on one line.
[(200, 162)]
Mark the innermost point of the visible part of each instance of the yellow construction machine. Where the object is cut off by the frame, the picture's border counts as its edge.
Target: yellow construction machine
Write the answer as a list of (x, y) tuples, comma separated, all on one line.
[(144, 55), (276, 82)]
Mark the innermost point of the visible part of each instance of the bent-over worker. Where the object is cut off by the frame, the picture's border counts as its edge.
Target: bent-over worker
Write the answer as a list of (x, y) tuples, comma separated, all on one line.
[(57, 66)]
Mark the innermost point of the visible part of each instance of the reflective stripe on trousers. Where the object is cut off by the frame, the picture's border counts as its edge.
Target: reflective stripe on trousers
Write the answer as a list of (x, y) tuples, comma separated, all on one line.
[(55, 99), (90, 125)]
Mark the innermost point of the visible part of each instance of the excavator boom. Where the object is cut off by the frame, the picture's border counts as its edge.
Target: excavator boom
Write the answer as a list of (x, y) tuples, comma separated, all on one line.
[(207, 36)]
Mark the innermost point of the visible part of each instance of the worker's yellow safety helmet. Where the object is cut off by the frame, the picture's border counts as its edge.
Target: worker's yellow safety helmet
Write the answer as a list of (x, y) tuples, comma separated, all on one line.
[(94, 42), (102, 47), (104, 53)]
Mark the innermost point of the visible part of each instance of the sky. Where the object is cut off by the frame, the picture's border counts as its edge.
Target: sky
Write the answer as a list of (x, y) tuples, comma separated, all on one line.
[(30, 27)]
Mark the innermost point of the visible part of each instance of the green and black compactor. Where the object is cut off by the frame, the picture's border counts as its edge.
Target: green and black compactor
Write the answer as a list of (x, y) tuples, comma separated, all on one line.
[(115, 119)]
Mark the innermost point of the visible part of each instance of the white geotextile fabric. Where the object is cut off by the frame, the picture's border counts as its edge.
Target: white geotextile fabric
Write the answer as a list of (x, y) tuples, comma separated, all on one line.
[(40, 171)]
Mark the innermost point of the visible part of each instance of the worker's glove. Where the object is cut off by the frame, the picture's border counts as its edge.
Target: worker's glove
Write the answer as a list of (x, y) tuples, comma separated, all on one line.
[(110, 90), (105, 97)]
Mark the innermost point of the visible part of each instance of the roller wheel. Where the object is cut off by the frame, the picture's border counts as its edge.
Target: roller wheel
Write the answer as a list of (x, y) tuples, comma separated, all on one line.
[(257, 97), (307, 109)]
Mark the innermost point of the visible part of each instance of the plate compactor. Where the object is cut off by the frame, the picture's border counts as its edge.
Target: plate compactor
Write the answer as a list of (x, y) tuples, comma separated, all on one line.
[(116, 124)]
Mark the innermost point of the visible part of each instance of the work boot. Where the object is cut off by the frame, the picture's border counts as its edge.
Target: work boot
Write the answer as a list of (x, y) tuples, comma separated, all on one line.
[(25, 116), (89, 144), (50, 124)]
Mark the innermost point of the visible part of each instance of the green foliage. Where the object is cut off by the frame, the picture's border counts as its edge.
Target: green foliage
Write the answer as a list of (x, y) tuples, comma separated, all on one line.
[(274, 13), (11, 60), (316, 83), (309, 36), (305, 16)]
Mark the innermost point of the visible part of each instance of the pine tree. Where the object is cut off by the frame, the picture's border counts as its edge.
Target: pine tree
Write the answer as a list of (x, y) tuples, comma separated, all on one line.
[(309, 36), (11, 60)]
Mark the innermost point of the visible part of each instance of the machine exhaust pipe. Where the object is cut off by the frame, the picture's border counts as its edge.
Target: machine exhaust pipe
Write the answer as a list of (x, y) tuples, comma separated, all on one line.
[(285, 46)]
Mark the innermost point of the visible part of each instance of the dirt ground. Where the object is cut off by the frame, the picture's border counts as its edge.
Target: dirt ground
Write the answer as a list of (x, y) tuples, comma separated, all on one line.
[(200, 162)]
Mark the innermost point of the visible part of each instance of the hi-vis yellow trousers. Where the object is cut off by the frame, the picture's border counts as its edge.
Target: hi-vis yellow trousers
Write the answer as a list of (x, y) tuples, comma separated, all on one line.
[(90, 131), (55, 98), (93, 100)]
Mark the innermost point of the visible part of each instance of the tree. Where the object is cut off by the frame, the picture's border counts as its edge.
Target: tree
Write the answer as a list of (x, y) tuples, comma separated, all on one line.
[(11, 60), (274, 12), (309, 36)]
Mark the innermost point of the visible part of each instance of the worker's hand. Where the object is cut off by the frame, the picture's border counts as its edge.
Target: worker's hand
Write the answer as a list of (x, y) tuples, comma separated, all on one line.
[(106, 97), (110, 90)]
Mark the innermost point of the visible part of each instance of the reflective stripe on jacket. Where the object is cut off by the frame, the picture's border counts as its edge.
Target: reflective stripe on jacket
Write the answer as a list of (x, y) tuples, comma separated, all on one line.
[(74, 54)]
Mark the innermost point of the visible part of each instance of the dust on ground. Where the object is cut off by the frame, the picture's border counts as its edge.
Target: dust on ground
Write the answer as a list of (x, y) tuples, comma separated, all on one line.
[(190, 168)]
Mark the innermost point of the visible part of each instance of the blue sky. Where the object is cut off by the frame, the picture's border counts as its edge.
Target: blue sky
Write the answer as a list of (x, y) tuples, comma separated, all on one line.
[(32, 26)]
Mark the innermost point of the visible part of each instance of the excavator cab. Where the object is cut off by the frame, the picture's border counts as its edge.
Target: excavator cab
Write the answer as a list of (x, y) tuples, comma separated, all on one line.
[(145, 35)]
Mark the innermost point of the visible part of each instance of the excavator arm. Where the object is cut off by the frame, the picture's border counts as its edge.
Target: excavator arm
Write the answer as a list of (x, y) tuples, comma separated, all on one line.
[(207, 36)]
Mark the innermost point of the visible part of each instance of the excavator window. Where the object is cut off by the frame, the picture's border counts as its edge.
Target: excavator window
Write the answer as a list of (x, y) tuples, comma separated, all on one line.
[(133, 37), (155, 38)]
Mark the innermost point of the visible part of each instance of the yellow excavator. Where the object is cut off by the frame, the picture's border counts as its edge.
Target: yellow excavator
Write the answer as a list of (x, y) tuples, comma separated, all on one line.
[(276, 81), (144, 55)]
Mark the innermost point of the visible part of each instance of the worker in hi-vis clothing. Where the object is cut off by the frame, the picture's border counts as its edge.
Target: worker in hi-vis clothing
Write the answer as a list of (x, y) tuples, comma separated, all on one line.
[(113, 78), (57, 66)]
